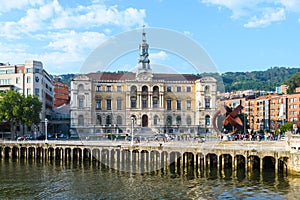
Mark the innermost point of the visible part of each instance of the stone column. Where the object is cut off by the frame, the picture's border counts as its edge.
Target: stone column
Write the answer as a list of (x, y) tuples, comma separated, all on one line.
[(150, 101), (195, 161), (128, 101), (139, 100)]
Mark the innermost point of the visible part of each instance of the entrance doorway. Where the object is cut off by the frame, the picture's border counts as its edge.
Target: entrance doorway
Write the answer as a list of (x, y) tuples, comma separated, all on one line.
[(145, 121)]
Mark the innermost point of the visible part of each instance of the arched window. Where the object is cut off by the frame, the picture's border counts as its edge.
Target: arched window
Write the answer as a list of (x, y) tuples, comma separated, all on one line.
[(178, 120), (144, 96), (207, 120), (108, 120), (133, 96), (169, 120), (119, 120), (155, 120), (99, 120), (81, 101), (189, 120), (155, 96), (80, 120), (206, 90), (80, 87)]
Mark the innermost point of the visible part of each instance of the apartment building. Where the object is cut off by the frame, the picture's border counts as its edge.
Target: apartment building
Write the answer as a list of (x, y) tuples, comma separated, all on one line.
[(29, 78), (61, 92)]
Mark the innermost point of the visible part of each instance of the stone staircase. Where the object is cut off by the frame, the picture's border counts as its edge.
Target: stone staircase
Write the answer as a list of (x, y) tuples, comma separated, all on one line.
[(146, 132)]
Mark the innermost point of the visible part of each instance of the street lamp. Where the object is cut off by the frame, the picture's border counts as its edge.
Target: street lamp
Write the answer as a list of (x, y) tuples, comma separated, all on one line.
[(132, 122), (110, 131), (46, 135), (115, 132)]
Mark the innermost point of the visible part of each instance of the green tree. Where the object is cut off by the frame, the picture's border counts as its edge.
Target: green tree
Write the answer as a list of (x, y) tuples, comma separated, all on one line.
[(32, 108), (293, 82), (286, 127), (10, 109), (17, 109)]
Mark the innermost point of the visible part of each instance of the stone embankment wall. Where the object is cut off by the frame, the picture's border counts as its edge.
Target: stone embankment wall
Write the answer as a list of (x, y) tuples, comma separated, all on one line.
[(281, 156)]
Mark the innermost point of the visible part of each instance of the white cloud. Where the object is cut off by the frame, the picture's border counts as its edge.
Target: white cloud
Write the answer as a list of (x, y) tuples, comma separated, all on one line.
[(159, 56), (98, 15), (268, 17), (7, 5), (292, 5), (258, 13), (65, 35), (238, 7), (71, 41), (52, 16), (34, 20)]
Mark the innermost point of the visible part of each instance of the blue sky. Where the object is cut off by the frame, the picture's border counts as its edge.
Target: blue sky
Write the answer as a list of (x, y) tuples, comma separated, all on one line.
[(238, 35)]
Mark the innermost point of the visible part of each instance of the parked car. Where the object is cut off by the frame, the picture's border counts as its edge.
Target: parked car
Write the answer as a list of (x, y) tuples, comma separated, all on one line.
[(24, 137)]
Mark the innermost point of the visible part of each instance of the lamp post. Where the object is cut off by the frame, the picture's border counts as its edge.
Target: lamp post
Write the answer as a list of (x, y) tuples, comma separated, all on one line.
[(115, 132), (110, 131), (132, 122), (46, 134)]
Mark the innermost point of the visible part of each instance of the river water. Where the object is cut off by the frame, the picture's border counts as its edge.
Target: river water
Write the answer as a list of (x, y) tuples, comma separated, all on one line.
[(31, 179)]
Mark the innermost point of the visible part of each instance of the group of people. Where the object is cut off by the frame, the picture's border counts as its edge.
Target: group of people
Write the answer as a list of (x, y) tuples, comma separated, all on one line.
[(254, 137)]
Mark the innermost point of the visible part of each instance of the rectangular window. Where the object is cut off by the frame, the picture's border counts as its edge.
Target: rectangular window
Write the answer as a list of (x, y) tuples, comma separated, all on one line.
[(5, 81), (133, 103), (108, 88), (37, 91), (36, 70), (119, 89), (18, 80), (28, 79), (81, 103), (169, 104), (98, 88), (98, 104), (169, 89), (28, 70), (119, 103), (188, 89), (207, 103), (188, 104), (178, 89), (155, 103), (144, 103), (28, 91), (108, 104), (178, 104)]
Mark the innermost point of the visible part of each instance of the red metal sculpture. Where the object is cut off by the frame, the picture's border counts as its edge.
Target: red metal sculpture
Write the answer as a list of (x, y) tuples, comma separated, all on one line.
[(231, 117)]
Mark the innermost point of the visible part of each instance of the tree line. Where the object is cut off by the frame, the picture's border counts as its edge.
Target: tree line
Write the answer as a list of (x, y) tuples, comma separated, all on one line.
[(266, 80)]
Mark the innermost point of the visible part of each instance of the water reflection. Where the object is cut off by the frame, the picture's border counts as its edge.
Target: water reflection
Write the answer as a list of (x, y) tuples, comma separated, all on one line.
[(28, 179)]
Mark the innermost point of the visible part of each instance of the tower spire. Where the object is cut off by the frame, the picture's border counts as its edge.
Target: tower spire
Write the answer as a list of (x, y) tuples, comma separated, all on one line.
[(144, 71), (144, 35), (144, 62)]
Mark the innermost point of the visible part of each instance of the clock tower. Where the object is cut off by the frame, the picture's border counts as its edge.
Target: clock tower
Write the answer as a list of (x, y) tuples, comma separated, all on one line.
[(144, 71)]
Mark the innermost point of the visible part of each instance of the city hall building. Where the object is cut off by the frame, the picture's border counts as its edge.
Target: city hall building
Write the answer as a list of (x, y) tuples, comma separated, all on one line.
[(108, 102)]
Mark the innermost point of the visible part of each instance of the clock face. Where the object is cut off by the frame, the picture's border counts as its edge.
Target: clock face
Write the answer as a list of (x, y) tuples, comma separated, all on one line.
[(37, 79), (145, 77)]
